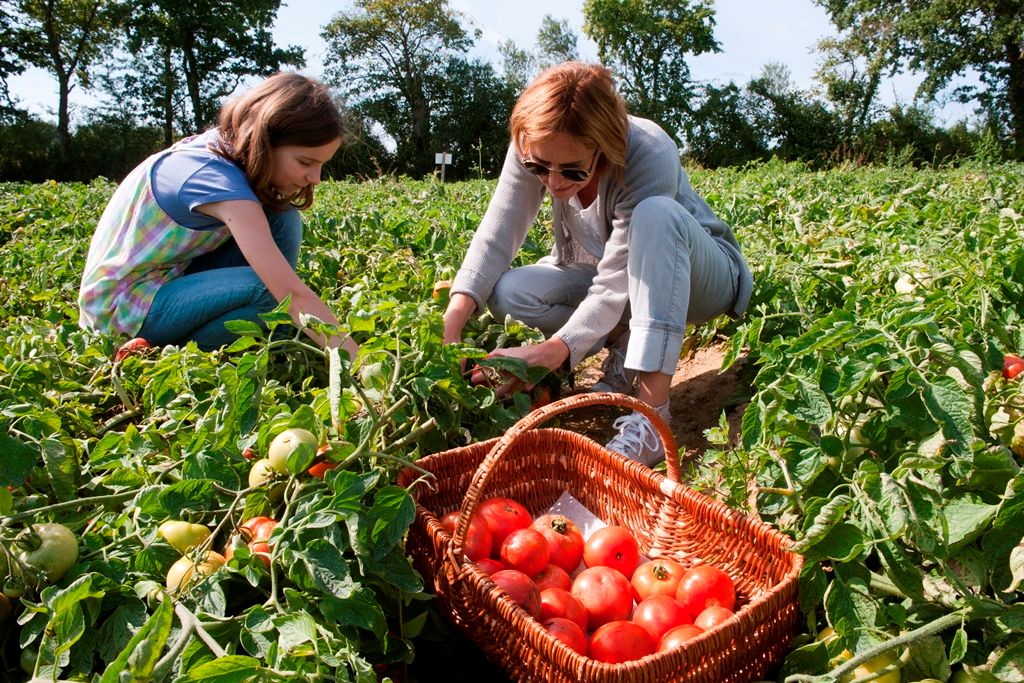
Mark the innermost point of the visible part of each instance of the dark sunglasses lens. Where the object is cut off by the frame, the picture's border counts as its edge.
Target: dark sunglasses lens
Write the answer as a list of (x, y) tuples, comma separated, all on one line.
[(575, 175), (536, 169)]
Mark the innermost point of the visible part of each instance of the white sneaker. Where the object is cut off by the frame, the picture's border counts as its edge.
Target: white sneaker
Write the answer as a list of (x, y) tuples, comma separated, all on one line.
[(616, 377), (637, 439)]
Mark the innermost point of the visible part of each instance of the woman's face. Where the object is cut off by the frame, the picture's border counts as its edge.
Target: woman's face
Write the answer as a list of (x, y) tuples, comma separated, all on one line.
[(551, 158), (292, 167)]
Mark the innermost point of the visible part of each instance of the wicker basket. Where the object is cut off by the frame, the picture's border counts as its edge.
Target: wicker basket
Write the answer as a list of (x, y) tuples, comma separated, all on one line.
[(668, 519)]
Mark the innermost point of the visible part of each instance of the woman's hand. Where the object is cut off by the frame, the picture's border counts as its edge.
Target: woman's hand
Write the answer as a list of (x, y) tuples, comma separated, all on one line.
[(550, 354)]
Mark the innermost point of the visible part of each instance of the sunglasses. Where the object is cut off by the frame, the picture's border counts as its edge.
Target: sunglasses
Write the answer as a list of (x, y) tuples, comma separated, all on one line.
[(575, 175)]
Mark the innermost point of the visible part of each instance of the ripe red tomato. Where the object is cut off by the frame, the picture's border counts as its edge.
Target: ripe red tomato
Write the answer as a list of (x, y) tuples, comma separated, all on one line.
[(605, 593), (320, 469), (503, 516), (569, 632), (131, 348), (712, 616), (565, 539), (477, 544), (525, 550), (258, 528), (520, 588), (657, 577), (658, 614), (552, 576), (489, 566), (555, 602), (1012, 365), (612, 546), (703, 586), (620, 641), (677, 636)]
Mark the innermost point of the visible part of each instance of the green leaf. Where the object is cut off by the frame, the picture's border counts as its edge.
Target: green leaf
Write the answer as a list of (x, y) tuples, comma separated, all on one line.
[(958, 646), (392, 512), (751, 424), (850, 601), (62, 466), (244, 328), (1009, 665), (228, 669), (811, 404), (842, 543), (966, 519), (327, 569), (18, 460), (140, 656), (951, 409)]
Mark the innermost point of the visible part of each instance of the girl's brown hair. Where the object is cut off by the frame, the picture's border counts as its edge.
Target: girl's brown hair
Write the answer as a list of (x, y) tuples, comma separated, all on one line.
[(285, 109), (578, 99)]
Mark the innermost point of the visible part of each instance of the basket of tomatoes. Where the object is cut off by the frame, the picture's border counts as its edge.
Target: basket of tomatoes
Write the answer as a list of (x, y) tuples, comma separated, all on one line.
[(667, 585)]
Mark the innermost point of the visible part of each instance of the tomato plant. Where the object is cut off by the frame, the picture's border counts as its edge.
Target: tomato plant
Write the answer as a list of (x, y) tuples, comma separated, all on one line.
[(605, 593), (612, 546), (620, 641)]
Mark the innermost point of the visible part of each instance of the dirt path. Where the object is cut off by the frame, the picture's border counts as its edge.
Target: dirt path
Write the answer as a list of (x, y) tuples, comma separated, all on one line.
[(698, 397)]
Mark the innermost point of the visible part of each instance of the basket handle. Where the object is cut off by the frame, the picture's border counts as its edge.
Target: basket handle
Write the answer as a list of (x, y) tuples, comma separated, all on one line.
[(538, 417)]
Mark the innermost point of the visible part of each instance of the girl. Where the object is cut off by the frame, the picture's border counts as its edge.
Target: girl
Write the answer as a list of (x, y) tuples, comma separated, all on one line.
[(209, 230), (634, 245)]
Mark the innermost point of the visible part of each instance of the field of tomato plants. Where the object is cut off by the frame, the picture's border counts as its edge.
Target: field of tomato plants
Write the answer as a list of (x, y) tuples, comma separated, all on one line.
[(880, 434)]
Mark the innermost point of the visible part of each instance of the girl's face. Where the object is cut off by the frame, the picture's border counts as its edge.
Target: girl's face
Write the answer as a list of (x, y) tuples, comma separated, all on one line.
[(565, 164), (292, 167)]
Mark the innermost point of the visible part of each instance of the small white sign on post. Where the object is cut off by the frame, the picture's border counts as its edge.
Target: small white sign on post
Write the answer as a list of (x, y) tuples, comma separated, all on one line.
[(442, 159)]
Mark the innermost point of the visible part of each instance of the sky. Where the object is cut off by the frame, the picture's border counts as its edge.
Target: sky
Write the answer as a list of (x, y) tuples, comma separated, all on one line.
[(751, 34)]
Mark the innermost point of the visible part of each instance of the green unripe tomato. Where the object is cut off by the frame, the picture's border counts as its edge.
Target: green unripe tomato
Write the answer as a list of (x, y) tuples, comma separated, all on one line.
[(285, 443), (183, 572), (183, 536), (48, 548), (263, 474)]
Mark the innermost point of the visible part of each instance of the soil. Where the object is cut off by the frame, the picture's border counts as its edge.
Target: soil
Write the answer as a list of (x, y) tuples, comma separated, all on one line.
[(699, 395)]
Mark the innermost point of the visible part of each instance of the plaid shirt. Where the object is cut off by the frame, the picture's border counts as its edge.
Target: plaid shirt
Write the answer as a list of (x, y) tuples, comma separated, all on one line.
[(137, 248)]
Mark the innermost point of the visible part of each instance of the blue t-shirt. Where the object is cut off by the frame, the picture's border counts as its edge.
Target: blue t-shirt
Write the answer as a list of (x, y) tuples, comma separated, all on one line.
[(193, 175)]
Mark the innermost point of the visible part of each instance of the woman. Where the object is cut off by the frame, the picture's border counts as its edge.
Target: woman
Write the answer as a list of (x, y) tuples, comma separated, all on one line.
[(209, 230), (634, 245)]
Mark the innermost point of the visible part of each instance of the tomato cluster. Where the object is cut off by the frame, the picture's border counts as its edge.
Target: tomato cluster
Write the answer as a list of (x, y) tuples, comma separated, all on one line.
[(595, 594), (1012, 366)]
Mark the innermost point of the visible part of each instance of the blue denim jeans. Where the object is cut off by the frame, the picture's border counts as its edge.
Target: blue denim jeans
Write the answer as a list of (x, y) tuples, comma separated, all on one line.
[(217, 287), (678, 274)]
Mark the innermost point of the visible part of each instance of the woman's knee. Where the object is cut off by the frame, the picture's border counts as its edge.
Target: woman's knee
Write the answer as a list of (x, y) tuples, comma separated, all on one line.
[(658, 221)]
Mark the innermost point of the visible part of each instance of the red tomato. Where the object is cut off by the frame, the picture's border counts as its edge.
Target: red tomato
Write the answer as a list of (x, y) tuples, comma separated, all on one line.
[(130, 348), (320, 469), (703, 586), (658, 614), (605, 593), (258, 528), (249, 453), (565, 539), (477, 543), (612, 546), (620, 641), (712, 616), (677, 636), (569, 632), (502, 516), (525, 550), (657, 577), (489, 566), (1012, 365), (520, 588), (553, 576), (555, 602)]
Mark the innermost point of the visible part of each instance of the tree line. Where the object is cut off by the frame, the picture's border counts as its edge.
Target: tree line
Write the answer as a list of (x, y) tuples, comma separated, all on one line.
[(405, 81)]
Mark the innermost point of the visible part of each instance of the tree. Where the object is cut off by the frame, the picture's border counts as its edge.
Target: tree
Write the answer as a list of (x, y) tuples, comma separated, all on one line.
[(67, 38), (388, 57), (556, 42), (186, 57), (518, 66), (946, 40), (13, 58), (646, 43), (721, 132)]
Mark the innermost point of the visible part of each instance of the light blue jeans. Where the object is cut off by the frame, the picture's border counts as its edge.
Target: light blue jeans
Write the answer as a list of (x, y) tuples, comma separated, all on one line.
[(218, 287), (678, 274)]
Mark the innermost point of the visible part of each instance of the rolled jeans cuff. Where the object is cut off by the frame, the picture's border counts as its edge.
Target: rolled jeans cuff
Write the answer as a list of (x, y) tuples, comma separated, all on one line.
[(653, 347)]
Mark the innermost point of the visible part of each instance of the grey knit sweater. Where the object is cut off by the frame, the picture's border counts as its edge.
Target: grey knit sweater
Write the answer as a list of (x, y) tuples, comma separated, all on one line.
[(652, 168)]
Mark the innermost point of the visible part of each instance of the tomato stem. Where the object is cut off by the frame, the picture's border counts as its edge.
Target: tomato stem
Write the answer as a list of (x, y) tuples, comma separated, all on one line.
[(70, 505)]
